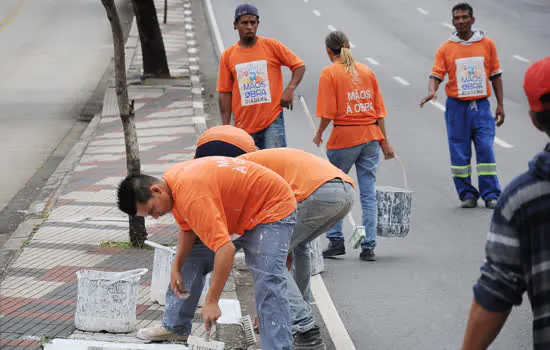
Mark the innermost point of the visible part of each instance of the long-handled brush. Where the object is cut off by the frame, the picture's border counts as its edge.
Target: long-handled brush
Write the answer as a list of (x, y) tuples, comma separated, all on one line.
[(358, 231)]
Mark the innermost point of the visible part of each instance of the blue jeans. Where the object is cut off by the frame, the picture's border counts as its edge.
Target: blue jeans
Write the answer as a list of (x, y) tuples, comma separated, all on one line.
[(316, 214), (266, 248), (467, 122), (366, 158), (273, 136)]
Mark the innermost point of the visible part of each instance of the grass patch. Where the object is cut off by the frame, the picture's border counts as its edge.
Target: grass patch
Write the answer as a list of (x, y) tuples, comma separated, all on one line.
[(121, 245), (115, 244)]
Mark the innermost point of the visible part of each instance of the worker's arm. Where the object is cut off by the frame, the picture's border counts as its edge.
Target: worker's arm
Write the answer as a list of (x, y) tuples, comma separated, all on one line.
[(433, 85), (387, 149), (225, 107), (287, 98), (318, 139), (223, 263), (186, 239), (483, 327), (497, 86)]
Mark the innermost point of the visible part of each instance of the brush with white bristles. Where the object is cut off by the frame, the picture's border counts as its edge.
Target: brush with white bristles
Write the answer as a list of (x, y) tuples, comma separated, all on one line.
[(196, 343)]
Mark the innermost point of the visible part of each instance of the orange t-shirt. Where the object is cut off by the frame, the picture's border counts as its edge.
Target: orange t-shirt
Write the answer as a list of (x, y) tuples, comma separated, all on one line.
[(303, 171), (230, 134), (468, 66), (254, 77), (353, 103), (220, 197)]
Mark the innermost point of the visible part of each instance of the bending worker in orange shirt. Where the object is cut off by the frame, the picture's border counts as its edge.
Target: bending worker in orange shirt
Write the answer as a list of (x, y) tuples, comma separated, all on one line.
[(250, 81), (227, 203), (470, 59), (349, 97)]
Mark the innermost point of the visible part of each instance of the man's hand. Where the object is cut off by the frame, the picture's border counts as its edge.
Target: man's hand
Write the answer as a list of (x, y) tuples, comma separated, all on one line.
[(287, 98), (430, 97), (176, 285), (499, 113), (210, 313), (387, 150), (318, 140)]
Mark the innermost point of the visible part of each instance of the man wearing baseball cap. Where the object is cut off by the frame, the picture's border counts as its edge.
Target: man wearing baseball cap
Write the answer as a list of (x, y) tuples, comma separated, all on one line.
[(517, 258), (250, 81)]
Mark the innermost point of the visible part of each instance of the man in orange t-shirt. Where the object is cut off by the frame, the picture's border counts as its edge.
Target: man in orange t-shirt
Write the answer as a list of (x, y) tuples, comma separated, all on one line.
[(228, 203), (224, 140), (324, 194), (250, 81), (348, 95), (470, 60)]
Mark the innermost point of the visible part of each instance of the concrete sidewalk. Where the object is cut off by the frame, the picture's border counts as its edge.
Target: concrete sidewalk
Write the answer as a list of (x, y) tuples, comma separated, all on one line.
[(38, 292)]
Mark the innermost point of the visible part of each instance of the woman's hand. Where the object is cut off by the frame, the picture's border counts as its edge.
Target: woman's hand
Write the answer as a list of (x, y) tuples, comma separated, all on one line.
[(387, 150)]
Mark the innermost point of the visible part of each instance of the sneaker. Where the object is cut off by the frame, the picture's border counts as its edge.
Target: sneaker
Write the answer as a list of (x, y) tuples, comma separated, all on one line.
[(367, 254), (469, 202), (310, 340), (491, 203), (335, 248), (159, 333)]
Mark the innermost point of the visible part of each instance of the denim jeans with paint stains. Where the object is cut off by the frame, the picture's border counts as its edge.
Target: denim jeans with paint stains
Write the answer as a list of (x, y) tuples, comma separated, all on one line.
[(316, 214), (273, 136), (265, 247), (366, 157)]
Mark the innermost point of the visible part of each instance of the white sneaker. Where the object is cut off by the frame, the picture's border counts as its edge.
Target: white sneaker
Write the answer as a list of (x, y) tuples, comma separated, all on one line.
[(159, 333)]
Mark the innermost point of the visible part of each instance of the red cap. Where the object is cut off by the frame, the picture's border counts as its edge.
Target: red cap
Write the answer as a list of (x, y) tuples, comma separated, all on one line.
[(537, 83)]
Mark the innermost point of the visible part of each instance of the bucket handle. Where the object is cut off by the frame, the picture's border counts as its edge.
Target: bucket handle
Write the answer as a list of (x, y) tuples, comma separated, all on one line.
[(134, 273), (312, 123), (403, 171), (158, 246)]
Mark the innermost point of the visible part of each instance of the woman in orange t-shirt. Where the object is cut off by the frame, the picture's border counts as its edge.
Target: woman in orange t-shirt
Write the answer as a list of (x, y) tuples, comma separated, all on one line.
[(348, 96)]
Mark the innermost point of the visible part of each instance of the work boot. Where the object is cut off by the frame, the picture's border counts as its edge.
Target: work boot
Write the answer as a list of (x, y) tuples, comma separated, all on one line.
[(159, 333), (491, 203), (335, 248), (469, 202), (367, 254), (309, 340)]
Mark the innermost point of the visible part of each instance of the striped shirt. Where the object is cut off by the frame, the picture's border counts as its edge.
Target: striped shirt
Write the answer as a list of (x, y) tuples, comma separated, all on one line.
[(518, 249)]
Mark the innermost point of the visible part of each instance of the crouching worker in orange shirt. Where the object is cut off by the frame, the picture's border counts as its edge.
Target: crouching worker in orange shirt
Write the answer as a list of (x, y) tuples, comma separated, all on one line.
[(228, 204), (324, 194)]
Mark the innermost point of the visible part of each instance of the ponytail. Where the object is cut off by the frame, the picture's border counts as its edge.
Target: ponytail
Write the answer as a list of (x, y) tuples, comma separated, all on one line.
[(348, 60), (338, 43)]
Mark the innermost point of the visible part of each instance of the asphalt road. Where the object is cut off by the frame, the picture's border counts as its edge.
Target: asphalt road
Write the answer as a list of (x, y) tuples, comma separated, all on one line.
[(53, 54), (417, 295)]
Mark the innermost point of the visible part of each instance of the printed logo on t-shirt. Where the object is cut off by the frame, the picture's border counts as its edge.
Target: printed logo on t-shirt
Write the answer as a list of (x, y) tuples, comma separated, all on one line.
[(253, 82), (471, 79), (359, 101)]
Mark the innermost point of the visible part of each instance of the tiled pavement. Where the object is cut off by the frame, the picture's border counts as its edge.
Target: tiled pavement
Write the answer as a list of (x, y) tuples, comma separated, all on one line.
[(38, 295)]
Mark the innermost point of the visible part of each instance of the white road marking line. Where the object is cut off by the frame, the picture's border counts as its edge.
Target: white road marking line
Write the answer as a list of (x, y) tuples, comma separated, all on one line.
[(448, 25), (331, 28), (372, 61), (335, 326), (215, 28), (502, 143), (316, 13), (521, 58), (498, 141), (422, 11), (352, 45), (401, 81)]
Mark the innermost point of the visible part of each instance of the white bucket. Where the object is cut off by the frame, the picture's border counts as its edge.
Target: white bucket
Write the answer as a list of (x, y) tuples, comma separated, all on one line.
[(394, 208), (162, 265), (107, 300)]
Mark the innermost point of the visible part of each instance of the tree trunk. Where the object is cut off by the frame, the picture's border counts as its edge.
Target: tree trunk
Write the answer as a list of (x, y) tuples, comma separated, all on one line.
[(155, 63), (138, 233)]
